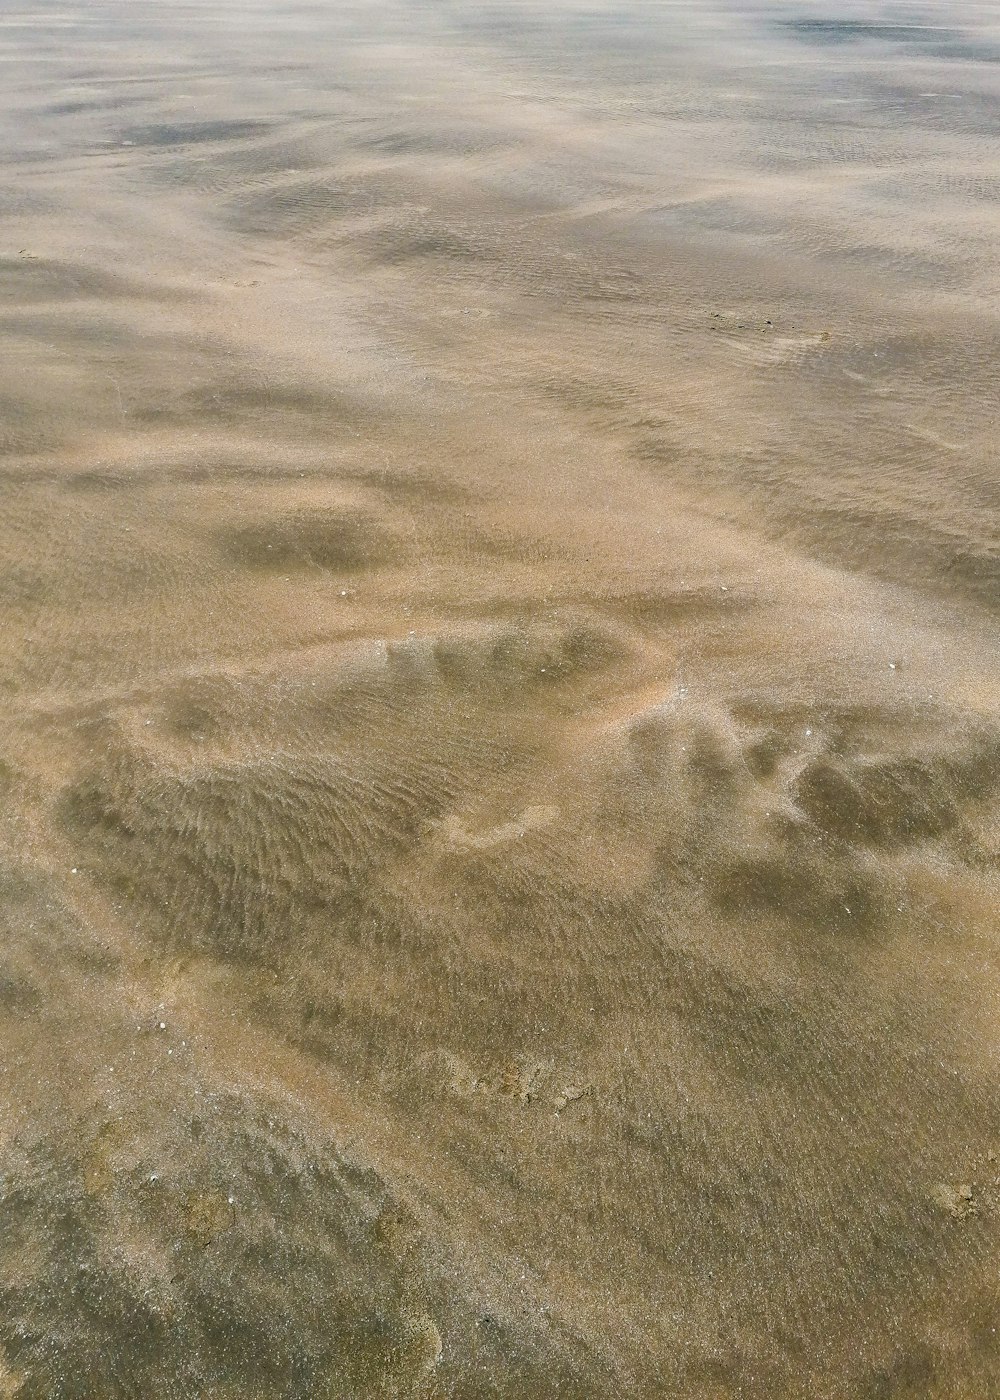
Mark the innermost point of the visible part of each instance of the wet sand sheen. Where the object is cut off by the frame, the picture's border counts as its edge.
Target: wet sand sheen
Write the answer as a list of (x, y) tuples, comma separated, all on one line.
[(498, 722)]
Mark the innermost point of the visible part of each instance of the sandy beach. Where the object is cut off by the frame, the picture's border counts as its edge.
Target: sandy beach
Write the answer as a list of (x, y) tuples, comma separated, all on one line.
[(499, 698)]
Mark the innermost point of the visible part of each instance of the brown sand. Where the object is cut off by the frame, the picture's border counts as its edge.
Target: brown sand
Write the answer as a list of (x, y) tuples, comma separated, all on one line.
[(498, 699)]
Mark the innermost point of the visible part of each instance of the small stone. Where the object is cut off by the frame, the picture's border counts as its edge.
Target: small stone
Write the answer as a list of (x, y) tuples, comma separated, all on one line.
[(570, 1093), (956, 1200)]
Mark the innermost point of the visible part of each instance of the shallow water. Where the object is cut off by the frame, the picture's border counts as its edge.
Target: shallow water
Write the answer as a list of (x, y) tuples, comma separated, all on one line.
[(498, 700)]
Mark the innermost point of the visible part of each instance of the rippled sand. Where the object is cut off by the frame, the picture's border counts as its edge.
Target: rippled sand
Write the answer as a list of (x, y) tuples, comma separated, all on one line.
[(498, 700)]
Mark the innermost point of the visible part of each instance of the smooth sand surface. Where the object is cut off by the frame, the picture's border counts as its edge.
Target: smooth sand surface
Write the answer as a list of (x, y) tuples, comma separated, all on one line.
[(498, 700)]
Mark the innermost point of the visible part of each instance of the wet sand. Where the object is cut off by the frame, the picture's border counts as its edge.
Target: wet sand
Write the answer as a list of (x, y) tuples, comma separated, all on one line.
[(498, 700)]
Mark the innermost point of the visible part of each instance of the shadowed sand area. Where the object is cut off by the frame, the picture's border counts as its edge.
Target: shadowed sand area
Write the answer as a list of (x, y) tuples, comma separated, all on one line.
[(498, 700)]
